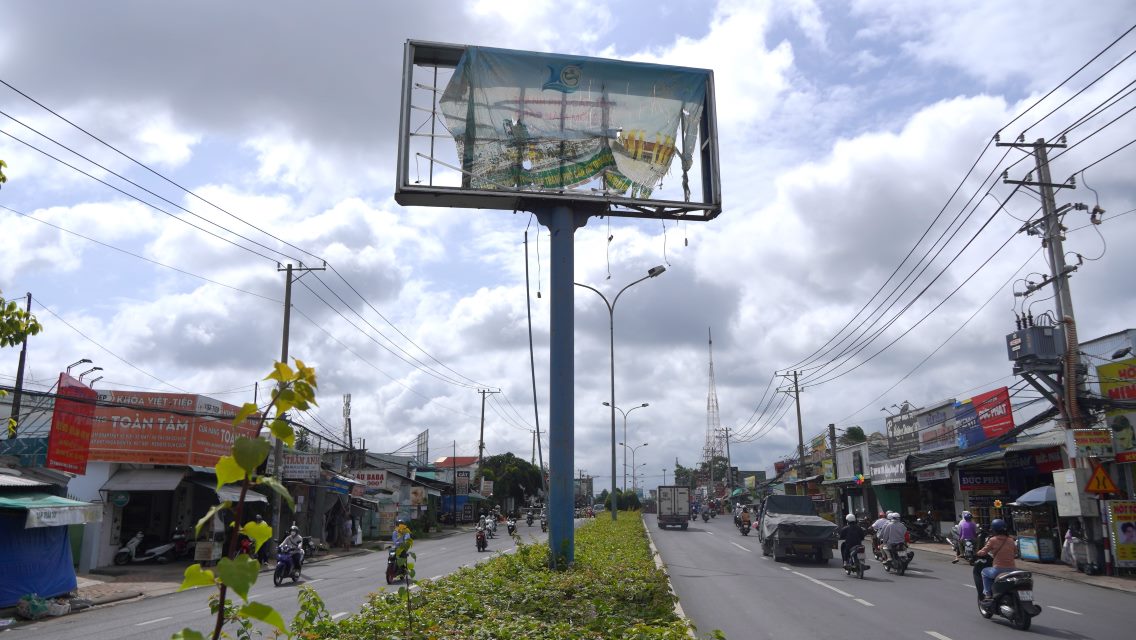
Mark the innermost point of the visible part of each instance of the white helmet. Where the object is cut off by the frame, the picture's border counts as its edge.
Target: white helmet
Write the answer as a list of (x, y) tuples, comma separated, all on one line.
[(850, 518), (893, 516)]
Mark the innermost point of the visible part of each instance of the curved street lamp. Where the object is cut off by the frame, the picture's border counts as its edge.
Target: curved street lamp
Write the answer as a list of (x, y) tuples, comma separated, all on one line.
[(634, 468), (77, 363), (91, 370), (608, 404), (651, 273)]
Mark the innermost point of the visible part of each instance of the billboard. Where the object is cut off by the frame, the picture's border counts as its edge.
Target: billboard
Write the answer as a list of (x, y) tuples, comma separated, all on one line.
[(1122, 527), (372, 478), (985, 416), (532, 128), (461, 487), (937, 427), (298, 465), (68, 444), (164, 428), (903, 433), (889, 471), (1118, 382)]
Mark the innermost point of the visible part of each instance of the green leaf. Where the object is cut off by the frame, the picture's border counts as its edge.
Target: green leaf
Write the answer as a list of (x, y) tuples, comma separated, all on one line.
[(209, 516), (276, 486), (281, 429), (195, 576), (285, 400), (229, 471), (247, 409), (265, 614), (250, 453), (280, 373), (187, 634), (239, 574), (261, 532)]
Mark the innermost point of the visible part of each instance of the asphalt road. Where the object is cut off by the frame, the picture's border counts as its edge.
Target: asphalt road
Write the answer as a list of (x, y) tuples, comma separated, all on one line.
[(343, 583), (723, 582)]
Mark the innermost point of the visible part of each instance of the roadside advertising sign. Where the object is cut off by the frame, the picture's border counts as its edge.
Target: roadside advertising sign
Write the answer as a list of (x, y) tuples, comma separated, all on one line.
[(828, 468), (373, 478), (164, 428), (486, 487), (1122, 527), (417, 496), (68, 445), (903, 433), (1093, 443), (932, 474), (889, 471), (298, 465), (463, 483), (1118, 382), (937, 427), (982, 480)]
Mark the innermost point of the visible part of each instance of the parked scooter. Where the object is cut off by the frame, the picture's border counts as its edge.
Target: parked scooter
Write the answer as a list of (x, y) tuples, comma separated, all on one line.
[(922, 529), (287, 564), (183, 546), (511, 526), (1013, 595), (395, 571), (857, 563), (896, 558), (482, 543), (129, 552)]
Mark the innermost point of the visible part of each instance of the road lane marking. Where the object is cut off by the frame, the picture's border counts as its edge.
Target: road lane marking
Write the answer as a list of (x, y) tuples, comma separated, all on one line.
[(142, 624), (826, 586), (339, 615), (741, 547), (968, 586), (1076, 613), (316, 580), (916, 572), (936, 634), (786, 569), (360, 569), (865, 602), (710, 532)]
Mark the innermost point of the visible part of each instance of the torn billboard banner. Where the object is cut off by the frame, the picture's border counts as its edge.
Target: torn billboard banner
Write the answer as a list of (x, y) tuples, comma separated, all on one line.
[(526, 120)]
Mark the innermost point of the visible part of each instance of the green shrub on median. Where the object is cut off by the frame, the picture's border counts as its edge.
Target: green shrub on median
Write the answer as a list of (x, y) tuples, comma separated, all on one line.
[(612, 591)]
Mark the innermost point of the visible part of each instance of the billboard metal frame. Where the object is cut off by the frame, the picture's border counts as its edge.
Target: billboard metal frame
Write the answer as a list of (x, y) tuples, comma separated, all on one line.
[(409, 193)]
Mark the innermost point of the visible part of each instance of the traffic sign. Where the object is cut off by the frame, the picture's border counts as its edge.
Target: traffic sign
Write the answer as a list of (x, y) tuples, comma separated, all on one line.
[(1100, 482)]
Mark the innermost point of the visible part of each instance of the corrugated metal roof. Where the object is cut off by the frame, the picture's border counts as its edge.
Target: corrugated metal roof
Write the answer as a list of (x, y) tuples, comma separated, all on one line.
[(8, 480)]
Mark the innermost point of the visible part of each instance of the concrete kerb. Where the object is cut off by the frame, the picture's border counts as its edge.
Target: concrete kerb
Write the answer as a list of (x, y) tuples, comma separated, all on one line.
[(662, 567)]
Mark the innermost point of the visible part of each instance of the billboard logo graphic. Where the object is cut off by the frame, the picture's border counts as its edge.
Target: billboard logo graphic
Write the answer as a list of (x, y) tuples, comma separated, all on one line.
[(564, 79)]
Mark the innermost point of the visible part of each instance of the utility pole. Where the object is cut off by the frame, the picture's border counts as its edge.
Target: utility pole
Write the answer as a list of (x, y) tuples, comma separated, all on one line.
[(729, 465), (17, 393), (481, 439), (800, 428), (347, 435), (278, 449)]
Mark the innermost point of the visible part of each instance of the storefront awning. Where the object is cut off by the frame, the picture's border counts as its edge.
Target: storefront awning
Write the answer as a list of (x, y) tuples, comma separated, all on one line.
[(982, 458), (365, 503), (144, 480), (46, 510), (231, 492)]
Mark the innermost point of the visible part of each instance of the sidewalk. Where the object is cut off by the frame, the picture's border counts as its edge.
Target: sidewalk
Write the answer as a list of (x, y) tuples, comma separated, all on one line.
[(108, 585), (1057, 570)]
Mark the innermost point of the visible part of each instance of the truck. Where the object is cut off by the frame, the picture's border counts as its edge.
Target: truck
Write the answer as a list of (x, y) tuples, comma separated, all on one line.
[(790, 526), (674, 506)]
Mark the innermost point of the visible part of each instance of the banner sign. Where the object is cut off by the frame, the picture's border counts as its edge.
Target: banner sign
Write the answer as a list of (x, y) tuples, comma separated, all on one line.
[(462, 487), (417, 496), (486, 487), (372, 478), (1043, 460), (69, 443), (889, 472), (1122, 527), (1093, 443), (298, 465), (933, 474), (550, 121), (164, 428), (937, 427), (982, 480), (985, 416), (1118, 382), (903, 433), (829, 469)]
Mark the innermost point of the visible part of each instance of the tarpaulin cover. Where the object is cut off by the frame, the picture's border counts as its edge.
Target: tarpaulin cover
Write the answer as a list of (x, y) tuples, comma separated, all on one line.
[(794, 517), (547, 121), (33, 560)]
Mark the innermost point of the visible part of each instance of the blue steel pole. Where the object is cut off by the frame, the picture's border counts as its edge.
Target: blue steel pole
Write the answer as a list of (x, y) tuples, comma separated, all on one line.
[(561, 223)]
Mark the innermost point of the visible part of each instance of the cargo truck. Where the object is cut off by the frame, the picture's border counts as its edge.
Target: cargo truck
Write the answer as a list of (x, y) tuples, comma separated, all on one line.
[(674, 506), (790, 526)]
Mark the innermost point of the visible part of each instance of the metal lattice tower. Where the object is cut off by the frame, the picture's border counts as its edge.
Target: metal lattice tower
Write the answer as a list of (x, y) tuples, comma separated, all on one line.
[(713, 446)]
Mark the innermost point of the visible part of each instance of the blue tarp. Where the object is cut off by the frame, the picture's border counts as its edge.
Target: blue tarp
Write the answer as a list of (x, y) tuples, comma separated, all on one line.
[(34, 560)]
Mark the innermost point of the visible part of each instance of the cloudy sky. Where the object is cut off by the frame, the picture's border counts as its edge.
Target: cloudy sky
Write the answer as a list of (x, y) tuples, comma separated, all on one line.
[(844, 130)]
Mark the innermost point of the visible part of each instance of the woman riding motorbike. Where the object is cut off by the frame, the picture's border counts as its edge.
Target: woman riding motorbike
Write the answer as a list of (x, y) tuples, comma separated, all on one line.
[(1000, 547)]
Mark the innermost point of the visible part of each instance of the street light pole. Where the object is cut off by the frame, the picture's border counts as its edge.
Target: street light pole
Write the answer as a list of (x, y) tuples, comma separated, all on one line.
[(625, 436), (651, 273), (634, 468)]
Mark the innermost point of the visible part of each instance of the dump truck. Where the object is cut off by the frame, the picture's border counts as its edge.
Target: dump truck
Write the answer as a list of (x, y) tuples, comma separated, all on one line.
[(790, 526), (674, 506)]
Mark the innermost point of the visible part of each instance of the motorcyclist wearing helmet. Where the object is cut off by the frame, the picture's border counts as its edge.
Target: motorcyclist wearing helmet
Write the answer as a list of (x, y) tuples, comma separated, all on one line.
[(894, 532), (968, 530), (294, 544), (851, 536), (401, 533), (1000, 547)]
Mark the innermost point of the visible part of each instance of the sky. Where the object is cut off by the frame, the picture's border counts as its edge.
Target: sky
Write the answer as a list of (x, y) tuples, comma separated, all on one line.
[(844, 130)]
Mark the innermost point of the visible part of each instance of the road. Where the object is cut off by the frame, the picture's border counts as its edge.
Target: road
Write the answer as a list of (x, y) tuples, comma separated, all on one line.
[(723, 582), (344, 584)]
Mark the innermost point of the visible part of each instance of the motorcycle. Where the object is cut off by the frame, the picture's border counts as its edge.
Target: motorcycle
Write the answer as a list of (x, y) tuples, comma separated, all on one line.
[(1013, 595), (922, 529), (543, 523), (967, 548), (511, 526), (745, 527), (129, 552), (491, 528), (482, 543), (287, 564), (896, 558), (856, 562), (529, 519), (706, 516), (395, 571), (183, 547)]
